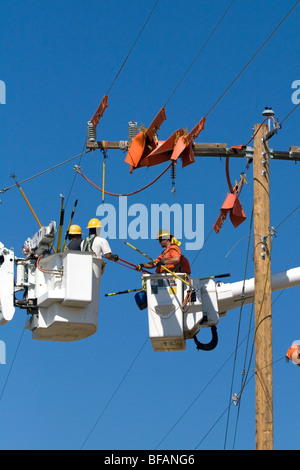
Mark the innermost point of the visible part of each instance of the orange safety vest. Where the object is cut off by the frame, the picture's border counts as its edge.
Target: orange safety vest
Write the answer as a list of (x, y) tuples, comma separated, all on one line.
[(182, 267)]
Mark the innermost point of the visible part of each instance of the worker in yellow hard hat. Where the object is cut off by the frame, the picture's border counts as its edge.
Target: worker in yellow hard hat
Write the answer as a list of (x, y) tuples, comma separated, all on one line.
[(96, 244), (171, 256), (75, 238)]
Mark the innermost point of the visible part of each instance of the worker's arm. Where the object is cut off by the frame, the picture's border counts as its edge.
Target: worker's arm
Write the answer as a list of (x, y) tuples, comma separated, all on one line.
[(160, 262), (111, 256), (174, 260), (145, 265)]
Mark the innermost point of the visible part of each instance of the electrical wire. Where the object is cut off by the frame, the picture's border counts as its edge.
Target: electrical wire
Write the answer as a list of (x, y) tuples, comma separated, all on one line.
[(132, 47), (195, 399), (257, 323), (113, 395), (209, 111), (289, 215), (199, 52), (238, 331), (209, 382), (243, 372), (226, 409), (204, 243), (252, 58), (244, 381), (74, 178), (12, 364), (45, 171), (289, 114), (115, 78), (214, 105), (128, 194)]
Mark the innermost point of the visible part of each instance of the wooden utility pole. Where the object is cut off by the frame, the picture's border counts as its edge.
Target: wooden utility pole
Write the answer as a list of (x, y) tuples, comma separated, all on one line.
[(263, 296)]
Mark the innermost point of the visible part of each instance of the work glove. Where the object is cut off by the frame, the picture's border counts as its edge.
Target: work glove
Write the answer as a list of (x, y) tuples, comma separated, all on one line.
[(160, 263), (115, 257), (139, 267)]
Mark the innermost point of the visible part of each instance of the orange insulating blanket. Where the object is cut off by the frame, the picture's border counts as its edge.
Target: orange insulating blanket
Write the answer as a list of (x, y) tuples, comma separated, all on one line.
[(184, 145), (180, 144), (146, 150), (100, 110), (231, 204), (144, 142), (163, 150)]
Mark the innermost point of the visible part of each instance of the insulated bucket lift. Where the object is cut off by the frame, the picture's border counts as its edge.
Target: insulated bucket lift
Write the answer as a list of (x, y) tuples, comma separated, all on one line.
[(173, 320), (7, 308), (61, 290), (61, 296)]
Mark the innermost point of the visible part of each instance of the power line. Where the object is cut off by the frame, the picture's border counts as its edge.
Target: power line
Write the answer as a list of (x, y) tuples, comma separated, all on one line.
[(194, 401), (244, 381), (213, 377), (244, 368), (289, 215), (200, 393), (199, 52), (228, 406), (132, 47), (210, 110), (288, 115), (45, 171), (252, 58), (13, 361), (253, 343), (113, 395), (74, 178), (239, 325), (114, 80)]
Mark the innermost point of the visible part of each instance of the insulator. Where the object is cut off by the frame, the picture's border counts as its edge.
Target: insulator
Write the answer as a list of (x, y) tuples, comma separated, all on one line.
[(132, 130), (267, 112), (173, 171), (91, 132), (173, 176)]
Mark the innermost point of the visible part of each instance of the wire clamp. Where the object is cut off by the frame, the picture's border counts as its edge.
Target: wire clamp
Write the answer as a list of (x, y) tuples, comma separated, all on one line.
[(272, 231), (124, 145), (249, 156), (235, 399)]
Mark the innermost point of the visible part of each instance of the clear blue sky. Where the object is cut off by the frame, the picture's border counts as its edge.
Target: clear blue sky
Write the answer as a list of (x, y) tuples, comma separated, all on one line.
[(58, 59)]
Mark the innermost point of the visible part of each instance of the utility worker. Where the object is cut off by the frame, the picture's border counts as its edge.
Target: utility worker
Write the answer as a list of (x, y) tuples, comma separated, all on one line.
[(171, 256), (75, 238), (97, 245)]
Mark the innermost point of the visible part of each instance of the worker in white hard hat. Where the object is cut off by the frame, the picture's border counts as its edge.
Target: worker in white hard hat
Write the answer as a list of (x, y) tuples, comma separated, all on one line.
[(75, 238), (94, 243), (171, 256)]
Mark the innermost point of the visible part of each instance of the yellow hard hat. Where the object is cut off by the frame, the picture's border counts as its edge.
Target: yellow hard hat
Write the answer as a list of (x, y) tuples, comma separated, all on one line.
[(163, 233), (94, 223), (75, 230)]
